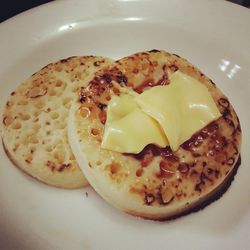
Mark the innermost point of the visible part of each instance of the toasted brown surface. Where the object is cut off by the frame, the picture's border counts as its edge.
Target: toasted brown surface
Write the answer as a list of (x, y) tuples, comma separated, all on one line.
[(35, 117), (156, 183)]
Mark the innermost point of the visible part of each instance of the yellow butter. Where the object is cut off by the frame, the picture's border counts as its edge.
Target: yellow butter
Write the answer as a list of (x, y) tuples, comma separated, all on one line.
[(120, 106), (181, 108), (128, 129), (162, 115)]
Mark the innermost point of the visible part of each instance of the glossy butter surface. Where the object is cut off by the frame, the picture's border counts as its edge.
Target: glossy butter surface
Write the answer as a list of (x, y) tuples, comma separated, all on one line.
[(162, 115), (182, 108), (128, 129)]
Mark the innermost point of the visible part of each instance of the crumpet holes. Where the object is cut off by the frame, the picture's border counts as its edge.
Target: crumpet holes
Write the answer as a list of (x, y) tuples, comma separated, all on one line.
[(24, 117), (95, 131), (114, 167), (85, 112), (166, 196), (7, 120), (59, 83), (98, 162), (32, 149), (9, 104), (16, 146), (54, 115), (16, 125)]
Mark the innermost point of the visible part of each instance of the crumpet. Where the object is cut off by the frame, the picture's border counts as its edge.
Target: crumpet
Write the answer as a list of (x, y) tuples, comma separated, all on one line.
[(34, 121), (156, 183)]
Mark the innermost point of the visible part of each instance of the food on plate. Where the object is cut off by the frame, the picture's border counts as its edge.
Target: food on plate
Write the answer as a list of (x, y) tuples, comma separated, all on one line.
[(34, 121), (171, 114), (154, 136)]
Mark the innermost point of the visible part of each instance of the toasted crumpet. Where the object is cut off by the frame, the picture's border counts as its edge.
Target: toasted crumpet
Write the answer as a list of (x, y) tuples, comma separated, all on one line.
[(156, 183), (34, 121)]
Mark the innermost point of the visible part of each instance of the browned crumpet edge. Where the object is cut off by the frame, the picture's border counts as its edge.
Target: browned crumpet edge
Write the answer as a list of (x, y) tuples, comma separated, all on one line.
[(26, 173), (207, 200)]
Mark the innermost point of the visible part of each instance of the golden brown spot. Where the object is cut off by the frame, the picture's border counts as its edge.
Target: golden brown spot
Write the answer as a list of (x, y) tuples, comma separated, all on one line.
[(58, 68), (16, 125), (230, 161), (139, 172), (195, 176), (114, 167), (7, 120), (58, 168), (183, 168), (24, 116), (167, 169), (84, 112), (135, 71), (9, 104), (224, 102), (36, 92), (103, 117), (116, 90), (97, 63), (95, 132), (58, 83), (51, 165), (173, 67), (108, 98), (39, 104), (29, 159), (166, 196)]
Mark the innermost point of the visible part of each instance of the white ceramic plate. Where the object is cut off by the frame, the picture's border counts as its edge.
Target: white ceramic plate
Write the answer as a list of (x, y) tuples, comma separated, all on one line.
[(214, 35)]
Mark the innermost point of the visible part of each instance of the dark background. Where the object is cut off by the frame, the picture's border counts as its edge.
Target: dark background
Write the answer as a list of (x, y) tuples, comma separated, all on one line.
[(11, 8)]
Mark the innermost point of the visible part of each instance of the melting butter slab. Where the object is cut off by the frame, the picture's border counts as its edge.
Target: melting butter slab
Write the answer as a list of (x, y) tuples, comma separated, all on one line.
[(162, 115), (128, 129), (181, 108)]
